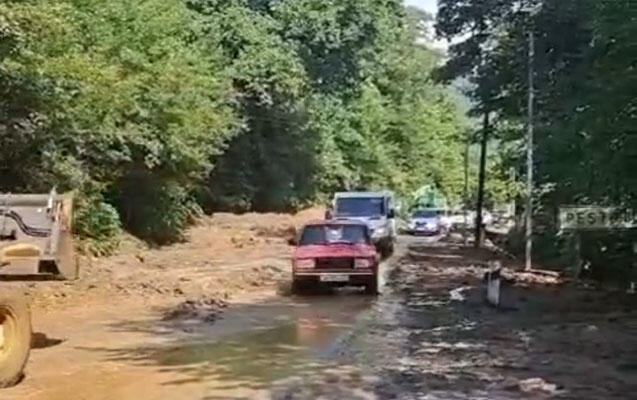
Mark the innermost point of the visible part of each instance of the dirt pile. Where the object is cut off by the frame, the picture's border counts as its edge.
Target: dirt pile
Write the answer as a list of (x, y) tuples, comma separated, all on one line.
[(205, 309), (222, 255)]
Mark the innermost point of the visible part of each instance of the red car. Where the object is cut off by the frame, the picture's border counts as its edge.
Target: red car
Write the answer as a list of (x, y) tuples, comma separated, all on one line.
[(339, 253)]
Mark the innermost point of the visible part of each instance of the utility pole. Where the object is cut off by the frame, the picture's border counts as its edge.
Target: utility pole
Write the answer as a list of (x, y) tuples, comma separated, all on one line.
[(512, 178), (465, 196), (483, 162), (529, 159)]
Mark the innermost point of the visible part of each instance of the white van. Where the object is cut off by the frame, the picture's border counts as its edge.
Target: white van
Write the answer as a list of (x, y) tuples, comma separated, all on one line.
[(376, 209)]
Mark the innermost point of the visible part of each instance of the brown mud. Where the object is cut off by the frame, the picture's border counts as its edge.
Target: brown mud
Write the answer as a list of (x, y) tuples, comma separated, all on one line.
[(229, 332)]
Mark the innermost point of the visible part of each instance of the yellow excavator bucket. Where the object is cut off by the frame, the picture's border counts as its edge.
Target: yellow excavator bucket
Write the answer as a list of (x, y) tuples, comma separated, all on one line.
[(20, 251)]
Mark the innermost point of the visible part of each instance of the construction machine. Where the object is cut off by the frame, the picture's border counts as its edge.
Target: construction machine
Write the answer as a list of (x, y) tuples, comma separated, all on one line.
[(36, 237), (35, 241), (15, 338)]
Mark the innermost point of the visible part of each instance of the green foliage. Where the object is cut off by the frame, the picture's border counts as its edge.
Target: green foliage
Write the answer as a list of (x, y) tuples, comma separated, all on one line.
[(98, 226), (95, 90), (240, 104), (338, 97), (585, 85), (162, 220)]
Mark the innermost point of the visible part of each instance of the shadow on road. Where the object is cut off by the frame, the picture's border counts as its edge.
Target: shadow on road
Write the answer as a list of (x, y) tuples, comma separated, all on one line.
[(40, 340)]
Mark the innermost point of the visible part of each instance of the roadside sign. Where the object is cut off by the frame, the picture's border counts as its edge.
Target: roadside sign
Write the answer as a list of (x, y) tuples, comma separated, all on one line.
[(596, 218)]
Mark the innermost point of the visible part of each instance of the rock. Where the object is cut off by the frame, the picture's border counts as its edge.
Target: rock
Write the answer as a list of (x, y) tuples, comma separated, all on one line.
[(510, 383), (456, 294), (533, 385), (591, 328)]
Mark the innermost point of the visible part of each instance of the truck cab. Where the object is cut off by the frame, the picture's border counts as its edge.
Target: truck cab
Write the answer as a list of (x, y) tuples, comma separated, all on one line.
[(376, 209)]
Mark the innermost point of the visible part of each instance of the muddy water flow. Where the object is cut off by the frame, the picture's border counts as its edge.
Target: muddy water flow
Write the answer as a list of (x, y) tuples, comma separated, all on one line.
[(255, 345)]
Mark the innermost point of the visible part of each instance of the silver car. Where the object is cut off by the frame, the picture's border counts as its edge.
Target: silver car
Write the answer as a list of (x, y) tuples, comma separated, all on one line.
[(427, 222)]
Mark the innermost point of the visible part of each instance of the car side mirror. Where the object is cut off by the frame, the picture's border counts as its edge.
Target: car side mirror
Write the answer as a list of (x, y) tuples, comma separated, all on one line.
[(328, 214), (391, 214), (293, 241)]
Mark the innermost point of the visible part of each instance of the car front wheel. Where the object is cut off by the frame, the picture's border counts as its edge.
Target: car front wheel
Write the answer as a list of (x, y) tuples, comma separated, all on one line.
[(371, 287)]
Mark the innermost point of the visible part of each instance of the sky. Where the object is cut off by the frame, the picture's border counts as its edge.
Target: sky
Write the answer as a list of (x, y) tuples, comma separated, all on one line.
[(432, 7), (427, 5)]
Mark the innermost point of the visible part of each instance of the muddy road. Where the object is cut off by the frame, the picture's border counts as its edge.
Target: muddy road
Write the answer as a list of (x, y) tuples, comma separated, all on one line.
[(415, 341)]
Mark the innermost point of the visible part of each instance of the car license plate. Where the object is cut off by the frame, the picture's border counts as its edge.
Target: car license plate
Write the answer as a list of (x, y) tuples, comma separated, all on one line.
[(334, 278)]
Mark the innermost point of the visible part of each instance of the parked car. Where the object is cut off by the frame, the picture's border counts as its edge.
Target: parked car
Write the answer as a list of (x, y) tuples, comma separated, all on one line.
[(457, 218), (487, 217), (376, 209), (428, 222), (334, 252)]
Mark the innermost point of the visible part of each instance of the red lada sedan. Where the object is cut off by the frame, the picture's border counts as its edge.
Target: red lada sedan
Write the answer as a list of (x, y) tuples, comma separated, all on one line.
[(338, 253)]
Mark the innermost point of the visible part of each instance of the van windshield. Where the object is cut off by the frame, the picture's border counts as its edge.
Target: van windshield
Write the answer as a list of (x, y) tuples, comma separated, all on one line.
[(360, 207)]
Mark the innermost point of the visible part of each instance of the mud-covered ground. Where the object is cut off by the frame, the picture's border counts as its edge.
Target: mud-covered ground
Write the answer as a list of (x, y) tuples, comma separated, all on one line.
[(211, 319), (223, 255), (431, 336)]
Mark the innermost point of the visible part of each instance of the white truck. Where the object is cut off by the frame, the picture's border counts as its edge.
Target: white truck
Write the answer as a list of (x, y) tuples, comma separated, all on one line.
[(376, 209)]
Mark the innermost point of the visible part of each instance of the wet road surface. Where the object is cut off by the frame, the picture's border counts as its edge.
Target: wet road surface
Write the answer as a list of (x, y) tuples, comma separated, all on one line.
[(414, 341), (299, 346)]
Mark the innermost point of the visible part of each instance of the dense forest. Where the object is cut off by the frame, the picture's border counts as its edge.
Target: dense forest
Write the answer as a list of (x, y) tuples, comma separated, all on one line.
[(157, 109), (585, 72)]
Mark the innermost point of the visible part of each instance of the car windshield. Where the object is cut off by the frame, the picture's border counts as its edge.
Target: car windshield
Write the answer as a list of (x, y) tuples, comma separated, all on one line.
[(425, 214), (327, 234), (360, 207)]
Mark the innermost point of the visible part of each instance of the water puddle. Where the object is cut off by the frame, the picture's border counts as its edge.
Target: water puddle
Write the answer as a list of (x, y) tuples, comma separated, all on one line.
[(257, 345)]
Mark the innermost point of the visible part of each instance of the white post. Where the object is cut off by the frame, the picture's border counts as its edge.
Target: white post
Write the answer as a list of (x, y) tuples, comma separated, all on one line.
[(493, 284)]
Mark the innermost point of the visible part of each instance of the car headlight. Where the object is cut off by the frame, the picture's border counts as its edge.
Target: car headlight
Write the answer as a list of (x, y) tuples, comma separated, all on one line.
[(362, 263), (304, 263)]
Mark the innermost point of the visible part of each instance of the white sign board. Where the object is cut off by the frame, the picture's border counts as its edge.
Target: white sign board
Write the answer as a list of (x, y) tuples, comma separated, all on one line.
[(593, 218)]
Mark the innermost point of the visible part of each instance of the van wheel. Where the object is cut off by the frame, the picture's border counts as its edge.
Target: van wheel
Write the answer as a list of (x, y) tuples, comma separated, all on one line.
[(15, 339)]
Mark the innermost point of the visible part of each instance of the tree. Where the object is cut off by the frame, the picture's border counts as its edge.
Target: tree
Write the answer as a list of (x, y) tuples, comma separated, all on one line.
[(125, 102), (237, 105), (584, 73)]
